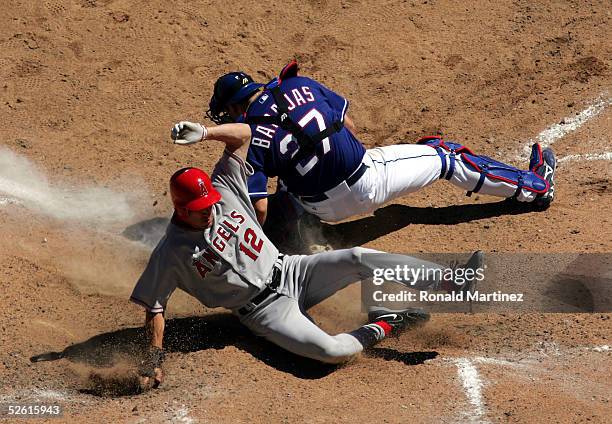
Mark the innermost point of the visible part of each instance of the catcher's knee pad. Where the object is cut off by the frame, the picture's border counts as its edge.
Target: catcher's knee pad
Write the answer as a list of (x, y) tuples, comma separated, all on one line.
[(485, 166)]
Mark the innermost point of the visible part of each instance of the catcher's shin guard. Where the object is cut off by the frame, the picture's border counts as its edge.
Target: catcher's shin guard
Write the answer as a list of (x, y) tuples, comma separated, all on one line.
[(477, 169)]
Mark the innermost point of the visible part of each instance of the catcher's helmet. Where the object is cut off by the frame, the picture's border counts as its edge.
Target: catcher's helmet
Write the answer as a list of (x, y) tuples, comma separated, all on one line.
[(192, 190), (231, 88)]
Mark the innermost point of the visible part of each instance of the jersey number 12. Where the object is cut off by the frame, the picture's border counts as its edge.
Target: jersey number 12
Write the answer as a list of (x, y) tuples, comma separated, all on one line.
[(255, 244)]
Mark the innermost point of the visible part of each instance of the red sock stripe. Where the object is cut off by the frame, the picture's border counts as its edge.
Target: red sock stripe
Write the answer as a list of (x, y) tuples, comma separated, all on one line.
[(385, 326)]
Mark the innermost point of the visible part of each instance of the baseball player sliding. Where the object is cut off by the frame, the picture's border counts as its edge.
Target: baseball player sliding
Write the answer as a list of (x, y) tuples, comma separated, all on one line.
[(300, 132), (215, 250)]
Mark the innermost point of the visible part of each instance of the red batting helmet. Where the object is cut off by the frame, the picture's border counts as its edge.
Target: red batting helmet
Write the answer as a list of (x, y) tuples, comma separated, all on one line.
[(191, 190)]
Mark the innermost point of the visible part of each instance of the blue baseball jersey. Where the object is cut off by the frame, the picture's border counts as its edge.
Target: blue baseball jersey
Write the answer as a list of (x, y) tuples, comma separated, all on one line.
[(314, 107)]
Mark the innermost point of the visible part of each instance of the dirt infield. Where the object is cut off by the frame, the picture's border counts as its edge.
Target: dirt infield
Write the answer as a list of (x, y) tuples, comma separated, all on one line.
[(90, 89)]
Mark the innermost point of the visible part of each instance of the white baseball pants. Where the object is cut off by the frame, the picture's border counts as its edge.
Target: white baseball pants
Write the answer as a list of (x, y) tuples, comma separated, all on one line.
[(394, 171)]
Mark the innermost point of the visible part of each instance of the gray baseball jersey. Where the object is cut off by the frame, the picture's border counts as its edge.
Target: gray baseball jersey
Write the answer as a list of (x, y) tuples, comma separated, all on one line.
[(224, 265)]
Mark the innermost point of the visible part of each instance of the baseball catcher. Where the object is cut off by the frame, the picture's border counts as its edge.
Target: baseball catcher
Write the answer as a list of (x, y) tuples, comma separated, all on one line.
[(300, 131), (215, 250)]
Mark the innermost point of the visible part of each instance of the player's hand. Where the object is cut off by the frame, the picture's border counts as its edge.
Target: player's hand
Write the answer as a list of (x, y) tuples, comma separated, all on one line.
[(148, 383), (188, 133), (150, 371)]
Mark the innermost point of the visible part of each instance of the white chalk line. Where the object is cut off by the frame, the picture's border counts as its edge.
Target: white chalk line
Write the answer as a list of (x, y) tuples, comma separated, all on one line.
[(472, 383), (567, 125), (589, 156), (181, 415)]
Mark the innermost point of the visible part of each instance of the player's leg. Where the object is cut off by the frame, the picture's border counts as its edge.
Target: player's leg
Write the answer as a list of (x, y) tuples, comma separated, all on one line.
[(398, 170), (392, 171), (321, 275), (283, 323), (308, 280), (481, 174)]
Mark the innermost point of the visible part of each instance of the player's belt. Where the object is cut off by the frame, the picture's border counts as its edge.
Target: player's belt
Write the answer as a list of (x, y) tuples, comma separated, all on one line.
[(271, 287), (349, 181)]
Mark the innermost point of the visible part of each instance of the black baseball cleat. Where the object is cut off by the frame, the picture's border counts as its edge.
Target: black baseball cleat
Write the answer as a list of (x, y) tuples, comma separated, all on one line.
[(467, 281), (543, 163), (384, 322), (399, 319)]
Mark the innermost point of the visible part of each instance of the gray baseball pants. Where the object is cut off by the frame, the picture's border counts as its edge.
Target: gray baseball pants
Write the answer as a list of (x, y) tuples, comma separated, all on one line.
[(308, 280)]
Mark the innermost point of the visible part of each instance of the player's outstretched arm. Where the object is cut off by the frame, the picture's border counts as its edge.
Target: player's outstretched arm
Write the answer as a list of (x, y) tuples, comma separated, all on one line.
[(151, 374), (235, 136)]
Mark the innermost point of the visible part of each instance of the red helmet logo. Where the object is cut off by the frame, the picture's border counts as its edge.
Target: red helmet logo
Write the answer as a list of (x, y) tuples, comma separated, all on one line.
[(203, 190), (192, 190)]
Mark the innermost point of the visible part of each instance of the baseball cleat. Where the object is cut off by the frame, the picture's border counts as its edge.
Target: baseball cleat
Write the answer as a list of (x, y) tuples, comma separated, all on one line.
[(475, 262), (400, 319), (543, 163)]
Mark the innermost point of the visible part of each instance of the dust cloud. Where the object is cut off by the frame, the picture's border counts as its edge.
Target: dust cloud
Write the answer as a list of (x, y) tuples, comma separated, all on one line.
[(81, 227), (21, 182)]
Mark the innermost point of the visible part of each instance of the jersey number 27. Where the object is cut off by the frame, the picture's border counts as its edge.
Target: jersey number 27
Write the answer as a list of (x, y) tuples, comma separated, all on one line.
[(313, 114)]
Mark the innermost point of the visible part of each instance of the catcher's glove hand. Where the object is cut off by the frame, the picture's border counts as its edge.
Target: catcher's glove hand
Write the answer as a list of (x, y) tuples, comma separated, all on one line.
[(188, 133), (149, 370)]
